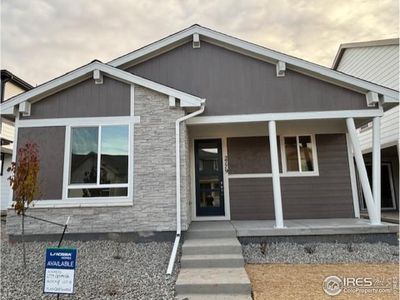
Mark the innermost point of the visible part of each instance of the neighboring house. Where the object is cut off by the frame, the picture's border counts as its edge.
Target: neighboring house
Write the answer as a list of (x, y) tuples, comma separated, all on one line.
[(378, 62), (11, 86), (197, 126)]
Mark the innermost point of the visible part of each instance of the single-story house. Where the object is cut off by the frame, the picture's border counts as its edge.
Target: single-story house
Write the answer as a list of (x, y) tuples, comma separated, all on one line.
[(198, 126)]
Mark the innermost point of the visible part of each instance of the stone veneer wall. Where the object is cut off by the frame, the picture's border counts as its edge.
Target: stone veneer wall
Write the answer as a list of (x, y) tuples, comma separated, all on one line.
[(154, 205)]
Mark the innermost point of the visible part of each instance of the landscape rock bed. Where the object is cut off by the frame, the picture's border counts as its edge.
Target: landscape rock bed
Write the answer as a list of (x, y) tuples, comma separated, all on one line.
[(320, 253), (139, 273)]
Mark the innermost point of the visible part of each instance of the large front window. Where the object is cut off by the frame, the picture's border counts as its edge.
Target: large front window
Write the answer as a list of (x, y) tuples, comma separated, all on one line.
[(99, 161)]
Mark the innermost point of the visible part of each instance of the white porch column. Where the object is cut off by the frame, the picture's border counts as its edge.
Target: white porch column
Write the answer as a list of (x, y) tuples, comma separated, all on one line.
[(376, 165), (362, 172), (276, 183)]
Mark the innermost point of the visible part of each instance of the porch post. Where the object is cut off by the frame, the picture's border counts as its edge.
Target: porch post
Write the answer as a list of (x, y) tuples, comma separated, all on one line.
[(362, 172), (376, 165), (276, 184)]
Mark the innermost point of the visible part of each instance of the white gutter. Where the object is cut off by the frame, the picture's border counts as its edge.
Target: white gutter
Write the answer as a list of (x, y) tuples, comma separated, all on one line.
[(178, 184)]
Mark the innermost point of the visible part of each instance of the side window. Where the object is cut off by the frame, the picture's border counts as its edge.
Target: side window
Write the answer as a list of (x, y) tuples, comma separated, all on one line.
[(298, 154)]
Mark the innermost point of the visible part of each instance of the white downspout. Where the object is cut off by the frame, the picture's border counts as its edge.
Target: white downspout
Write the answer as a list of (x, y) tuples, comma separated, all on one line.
[(178, 184)]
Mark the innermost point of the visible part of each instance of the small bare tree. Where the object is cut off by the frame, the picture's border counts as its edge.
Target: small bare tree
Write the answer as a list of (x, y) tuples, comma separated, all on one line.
[(24, 182)]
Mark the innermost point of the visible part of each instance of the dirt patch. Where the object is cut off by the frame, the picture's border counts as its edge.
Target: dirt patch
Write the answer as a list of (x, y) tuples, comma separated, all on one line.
[(305, 281)]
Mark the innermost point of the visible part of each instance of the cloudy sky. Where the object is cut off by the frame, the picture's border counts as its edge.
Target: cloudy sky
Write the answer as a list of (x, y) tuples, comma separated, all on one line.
[(42, 39)]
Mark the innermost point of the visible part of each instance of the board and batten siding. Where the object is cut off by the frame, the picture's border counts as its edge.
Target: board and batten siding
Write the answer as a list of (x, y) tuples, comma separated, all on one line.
[(50, 142), (234, 83), (153, 205), (85, 99), (325, 196)]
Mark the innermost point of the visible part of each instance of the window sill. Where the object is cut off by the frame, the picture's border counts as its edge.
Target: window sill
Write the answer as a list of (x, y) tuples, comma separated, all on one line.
[(269, 175), (76, 204), (299, 174)]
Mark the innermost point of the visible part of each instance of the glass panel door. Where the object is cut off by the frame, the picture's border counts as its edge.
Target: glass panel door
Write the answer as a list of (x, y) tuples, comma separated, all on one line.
[(209, 178)]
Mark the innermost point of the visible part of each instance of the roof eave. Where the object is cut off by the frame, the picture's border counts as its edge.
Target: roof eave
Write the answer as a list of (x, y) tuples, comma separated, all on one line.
[(294, 63), (84, 72)]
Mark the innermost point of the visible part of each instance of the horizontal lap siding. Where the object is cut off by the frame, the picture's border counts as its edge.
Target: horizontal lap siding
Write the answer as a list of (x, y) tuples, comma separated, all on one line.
[(249, 155), (325, 196), (50, 142), (251, 199)]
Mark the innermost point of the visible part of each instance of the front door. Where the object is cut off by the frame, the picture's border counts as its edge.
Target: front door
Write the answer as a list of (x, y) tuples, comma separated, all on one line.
[(209, 178)]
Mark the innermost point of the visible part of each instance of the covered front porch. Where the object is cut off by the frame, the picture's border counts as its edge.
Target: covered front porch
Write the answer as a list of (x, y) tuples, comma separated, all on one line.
[(284, 174)]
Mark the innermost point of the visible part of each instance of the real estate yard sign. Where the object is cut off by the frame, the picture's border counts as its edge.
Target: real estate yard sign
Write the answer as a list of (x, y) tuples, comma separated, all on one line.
[(60, 270)]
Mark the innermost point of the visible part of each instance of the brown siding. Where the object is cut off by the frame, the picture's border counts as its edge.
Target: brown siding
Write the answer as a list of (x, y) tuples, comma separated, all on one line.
[(50, 141), (251, 199), (248, 155), (325, 196), (85, 99), (234, 83)]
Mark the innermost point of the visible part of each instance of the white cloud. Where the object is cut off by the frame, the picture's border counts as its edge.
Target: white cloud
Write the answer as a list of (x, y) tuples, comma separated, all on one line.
[(43, 39)]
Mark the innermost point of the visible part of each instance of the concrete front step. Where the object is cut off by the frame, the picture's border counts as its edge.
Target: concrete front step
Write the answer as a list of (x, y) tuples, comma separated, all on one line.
[(212, 261), (214, 297), (211, 246), (204, 234), (210, 230), (213, 281)]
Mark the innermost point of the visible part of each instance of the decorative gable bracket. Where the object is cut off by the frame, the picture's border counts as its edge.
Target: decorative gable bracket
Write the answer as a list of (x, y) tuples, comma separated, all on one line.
[(280, 69), (372, 99), (98, 77), (196, 41), (25, 108)]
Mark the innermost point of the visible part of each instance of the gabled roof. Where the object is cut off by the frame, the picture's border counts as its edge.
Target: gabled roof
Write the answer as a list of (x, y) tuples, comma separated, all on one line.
[(84, 72), (375, 43), (8, 76), (259, 52)]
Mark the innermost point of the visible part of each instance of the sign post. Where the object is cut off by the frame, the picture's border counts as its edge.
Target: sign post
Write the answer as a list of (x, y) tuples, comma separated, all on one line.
[(60, 270)]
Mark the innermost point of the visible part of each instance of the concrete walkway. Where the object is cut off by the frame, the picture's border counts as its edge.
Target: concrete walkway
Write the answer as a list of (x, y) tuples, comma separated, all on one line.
[(212, 264)]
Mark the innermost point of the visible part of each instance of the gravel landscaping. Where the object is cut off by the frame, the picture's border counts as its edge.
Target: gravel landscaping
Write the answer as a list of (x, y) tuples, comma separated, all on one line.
[(139, 273), (315, 253)]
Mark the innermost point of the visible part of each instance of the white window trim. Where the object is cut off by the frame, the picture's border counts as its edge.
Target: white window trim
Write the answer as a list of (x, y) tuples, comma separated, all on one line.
[(285, 172), (67, 167)]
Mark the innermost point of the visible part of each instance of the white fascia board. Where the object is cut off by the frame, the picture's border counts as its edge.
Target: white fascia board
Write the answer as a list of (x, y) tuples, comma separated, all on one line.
[(8, 106), (187, 100), (165, 42), (387, 99), (292, 62), (313, 115)]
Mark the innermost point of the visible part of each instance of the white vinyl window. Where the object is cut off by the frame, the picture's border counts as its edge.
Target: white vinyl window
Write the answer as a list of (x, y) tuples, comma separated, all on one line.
[(299, 155), (98, 162)]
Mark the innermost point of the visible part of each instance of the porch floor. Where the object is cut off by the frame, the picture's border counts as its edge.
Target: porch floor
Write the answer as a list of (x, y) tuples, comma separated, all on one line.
[(311, 227)]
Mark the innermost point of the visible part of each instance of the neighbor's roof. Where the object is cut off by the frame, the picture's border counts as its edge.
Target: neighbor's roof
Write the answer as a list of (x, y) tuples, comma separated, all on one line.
[(86, 71), (375, 43), (253, 50), (8, 76)]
